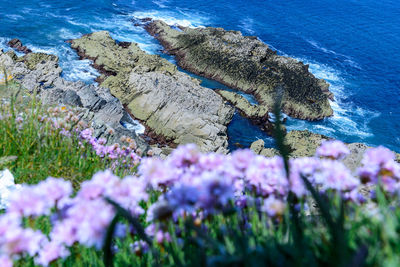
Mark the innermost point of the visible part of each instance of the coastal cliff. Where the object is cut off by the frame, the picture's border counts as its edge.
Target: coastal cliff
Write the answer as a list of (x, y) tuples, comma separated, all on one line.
[(172, 105), (40, 73), (247, 64)]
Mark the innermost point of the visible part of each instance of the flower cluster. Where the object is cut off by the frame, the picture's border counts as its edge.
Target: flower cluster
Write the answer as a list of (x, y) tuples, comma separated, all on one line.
[(189, 184), (379, 166), (127, 154), (195, 183), (82, 219)]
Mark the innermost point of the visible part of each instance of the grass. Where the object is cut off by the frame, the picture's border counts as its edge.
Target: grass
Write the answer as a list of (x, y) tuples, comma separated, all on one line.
[(33, 150)]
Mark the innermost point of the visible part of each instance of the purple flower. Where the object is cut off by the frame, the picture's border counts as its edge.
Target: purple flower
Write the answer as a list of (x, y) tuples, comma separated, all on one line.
[(184, 155), (241, 159), (273, 207), (379, 163), (333, 149), (334, 175), (215, 191), (50, 252), (55, 189), (140, 247), (28, 201), (5, 261)]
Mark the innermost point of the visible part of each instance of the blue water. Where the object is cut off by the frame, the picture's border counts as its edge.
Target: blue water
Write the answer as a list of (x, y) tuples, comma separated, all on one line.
[(352, 44)]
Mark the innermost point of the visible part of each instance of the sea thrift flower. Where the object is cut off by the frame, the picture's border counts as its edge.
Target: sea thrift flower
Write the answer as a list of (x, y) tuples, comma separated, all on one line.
[(241, 159), (333, 149), (184, 156), (55, 189), (334, 175), (90, 221), (215, 191), (50, 252), (157, 173), (266, 176), (379, 162), (5, 261), (273, 207), (29, 201)]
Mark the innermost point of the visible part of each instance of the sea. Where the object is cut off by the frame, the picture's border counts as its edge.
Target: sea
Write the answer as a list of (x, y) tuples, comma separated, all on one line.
[(352, 44)]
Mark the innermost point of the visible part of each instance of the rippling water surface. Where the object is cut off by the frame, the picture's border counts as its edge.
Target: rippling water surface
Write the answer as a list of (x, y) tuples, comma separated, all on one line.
[(354, 45)]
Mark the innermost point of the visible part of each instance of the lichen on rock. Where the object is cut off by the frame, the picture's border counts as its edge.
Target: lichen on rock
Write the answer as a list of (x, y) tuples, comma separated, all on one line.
[(247, 64)]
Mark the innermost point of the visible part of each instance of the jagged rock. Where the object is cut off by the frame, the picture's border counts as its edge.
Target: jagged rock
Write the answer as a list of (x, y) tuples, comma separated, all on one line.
[(247, 64), (173, 106), (258, 114), (40, 73), (17, 45), (254, 112), (258, 148)]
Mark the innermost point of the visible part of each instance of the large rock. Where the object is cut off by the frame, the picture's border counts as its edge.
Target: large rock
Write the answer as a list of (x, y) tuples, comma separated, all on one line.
[(17, 45), (247, 64), (257, 114), (169, 102), (40, 73)]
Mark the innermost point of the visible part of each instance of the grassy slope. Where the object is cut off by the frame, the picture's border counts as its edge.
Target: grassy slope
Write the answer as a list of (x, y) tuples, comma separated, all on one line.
[(39, 150)]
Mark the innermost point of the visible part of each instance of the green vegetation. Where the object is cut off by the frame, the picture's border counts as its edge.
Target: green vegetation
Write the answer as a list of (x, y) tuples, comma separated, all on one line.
[(33, 149)]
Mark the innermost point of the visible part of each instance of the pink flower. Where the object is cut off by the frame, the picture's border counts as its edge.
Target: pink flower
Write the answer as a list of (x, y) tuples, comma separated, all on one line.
[(5, 261), (333, 149), (55, 189), (273, 207), (28, 201), (241, 159), (184, 155), (50, 252)]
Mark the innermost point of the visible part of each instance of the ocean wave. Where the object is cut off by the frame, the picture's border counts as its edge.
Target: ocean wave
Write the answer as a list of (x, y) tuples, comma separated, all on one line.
[(347, 120), (14, 17), (185, 19), (322, 71), (79, 70), (247, 25), (346, 59), (66, 34), (3, 42), (161, 3)]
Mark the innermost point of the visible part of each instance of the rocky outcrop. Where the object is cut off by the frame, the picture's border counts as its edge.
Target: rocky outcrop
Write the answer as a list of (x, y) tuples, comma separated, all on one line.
[(305, 143), (170, 103), (40, 73), (17, 45), (256, 113), (247, 64)]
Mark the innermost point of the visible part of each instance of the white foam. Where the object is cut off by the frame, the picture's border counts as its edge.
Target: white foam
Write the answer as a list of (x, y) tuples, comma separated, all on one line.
[(66, 34), (134, 125), (185, 19), (161, 3), (3, 43), (75, 23), (14, 17), (347, 119), (347, 59), (247, 25), (322, 71), (79, 70)]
